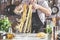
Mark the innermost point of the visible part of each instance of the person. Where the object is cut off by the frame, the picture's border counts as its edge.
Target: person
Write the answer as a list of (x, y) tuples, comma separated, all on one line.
[(40, 9)]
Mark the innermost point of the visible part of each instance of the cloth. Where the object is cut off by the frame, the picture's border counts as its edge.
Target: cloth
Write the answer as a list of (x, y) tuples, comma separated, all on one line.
[(37, 25)]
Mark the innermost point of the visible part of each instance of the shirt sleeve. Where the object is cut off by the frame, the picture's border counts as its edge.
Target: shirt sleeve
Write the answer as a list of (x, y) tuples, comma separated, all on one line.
[(45, 4)]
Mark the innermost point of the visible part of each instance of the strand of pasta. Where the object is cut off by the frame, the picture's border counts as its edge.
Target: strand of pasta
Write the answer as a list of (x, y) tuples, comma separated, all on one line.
[(28, 16), (23, 18), (27, 25), (30, 21)]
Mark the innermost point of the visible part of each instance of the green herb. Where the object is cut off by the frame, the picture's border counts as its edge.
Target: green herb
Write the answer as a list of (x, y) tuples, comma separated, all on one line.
[(48, 30), (4, 24)]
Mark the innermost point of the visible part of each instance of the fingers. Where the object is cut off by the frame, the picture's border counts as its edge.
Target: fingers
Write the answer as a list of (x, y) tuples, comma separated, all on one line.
[(35, 6)]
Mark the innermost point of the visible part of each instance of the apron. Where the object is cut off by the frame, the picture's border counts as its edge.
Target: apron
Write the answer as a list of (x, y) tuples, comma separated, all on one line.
[(36, 23)]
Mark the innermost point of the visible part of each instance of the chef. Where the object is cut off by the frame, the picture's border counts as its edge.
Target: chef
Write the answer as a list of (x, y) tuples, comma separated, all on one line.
[(40, 10)]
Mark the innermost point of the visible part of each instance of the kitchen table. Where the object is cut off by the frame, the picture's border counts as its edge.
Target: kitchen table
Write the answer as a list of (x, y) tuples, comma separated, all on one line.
[(28, 37)]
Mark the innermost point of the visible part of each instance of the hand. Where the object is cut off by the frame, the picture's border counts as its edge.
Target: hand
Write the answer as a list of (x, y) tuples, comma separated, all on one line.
[(35, 6)]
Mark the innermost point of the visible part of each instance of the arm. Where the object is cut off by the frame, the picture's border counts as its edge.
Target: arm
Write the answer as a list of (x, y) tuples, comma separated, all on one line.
[(43, 8)]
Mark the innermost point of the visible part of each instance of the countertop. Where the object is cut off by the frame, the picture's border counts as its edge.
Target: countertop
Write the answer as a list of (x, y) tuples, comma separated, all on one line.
[(28, 37)]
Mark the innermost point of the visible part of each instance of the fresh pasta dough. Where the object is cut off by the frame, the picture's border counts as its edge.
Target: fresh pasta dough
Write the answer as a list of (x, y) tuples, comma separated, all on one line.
[(25, 21)]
